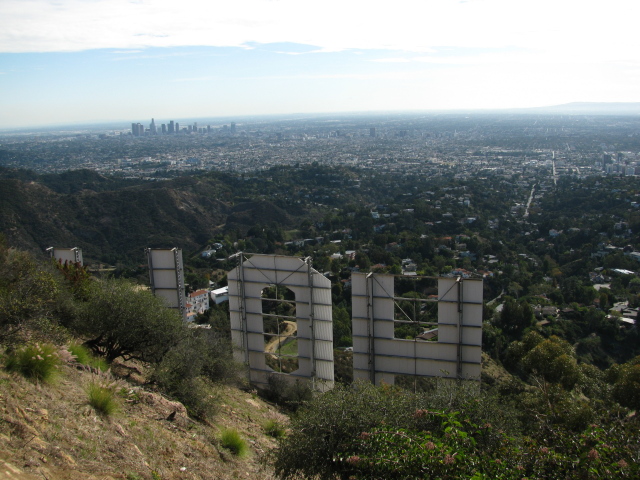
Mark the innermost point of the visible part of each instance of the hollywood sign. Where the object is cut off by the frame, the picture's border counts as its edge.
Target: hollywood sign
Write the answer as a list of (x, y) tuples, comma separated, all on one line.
[(281, 324), (281, 320)]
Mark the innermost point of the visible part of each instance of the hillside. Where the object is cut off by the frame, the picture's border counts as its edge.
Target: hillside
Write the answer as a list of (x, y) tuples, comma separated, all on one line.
[(50, 431), (111, 222)]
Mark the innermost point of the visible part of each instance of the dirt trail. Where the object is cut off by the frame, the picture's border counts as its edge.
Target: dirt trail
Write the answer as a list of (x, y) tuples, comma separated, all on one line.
[(276, 342)]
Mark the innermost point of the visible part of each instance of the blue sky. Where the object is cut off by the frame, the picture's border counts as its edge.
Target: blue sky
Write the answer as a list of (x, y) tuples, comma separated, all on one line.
[(73, 61)]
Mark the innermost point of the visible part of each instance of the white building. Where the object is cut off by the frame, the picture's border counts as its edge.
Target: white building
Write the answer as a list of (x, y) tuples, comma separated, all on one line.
[(220, 295), (199, 301)]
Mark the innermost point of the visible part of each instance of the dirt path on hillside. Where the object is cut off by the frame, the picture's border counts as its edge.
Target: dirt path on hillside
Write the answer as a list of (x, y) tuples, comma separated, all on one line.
[(276, 342)]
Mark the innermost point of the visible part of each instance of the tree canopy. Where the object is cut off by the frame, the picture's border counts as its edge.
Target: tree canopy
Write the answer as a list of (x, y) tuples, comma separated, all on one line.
[(121, 319)]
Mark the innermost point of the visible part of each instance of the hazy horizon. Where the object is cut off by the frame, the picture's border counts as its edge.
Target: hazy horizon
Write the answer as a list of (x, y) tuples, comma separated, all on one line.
[(76, 62)]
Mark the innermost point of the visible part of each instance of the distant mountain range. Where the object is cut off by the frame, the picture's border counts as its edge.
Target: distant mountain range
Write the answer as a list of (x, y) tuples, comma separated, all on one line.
[(587, 108)]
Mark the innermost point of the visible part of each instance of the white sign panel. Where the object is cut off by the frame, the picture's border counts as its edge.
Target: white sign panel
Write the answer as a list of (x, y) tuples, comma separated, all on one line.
[(68, 255), (313, 318), (379, 357), (167, 276)]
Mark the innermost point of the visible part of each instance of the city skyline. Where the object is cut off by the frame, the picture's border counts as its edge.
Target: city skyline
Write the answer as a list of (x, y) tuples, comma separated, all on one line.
[(72, 62)]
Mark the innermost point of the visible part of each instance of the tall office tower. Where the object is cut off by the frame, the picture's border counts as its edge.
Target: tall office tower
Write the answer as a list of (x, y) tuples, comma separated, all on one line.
[(372, 132), (233, 127), (177, 127), (208, 128), (134, 129), (195, 126), (172, 127), (164, 129), (152, 127), (140, 130)]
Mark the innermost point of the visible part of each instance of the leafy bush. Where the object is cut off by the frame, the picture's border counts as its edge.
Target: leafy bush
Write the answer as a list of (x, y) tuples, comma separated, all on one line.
[(198, 353), (626, 384), (28, 295), (453, 432), (188, 370), (290, 394), (198, 396), (122, 320), (322, 428), (37, 362), (232, 441), (458, 452), (102, 398)]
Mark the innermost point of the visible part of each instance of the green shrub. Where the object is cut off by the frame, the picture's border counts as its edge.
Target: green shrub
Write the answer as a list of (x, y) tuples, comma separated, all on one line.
[(324, 426), (84, 357), (393, 453), (198, 396), (102, 398), (232, 441), (28, 295), (274, 429), (198, 353), (122, 321), (290, 394), (37, 362), (188, 371)]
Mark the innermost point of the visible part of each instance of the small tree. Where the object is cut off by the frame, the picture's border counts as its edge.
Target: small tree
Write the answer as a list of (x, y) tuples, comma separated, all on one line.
[(122, 320), (515, 317), (626, 383)]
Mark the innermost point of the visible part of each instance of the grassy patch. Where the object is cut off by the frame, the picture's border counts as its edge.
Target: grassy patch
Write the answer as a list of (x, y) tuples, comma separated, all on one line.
[(289, 347), (232, 441), (274, 429), (84, 357), (102, 398), (37, 362)]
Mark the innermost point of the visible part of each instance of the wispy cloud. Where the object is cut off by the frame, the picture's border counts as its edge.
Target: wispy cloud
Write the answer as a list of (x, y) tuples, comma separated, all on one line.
[(126, 52), (339, 76), (151, 35), (319, 50), (483, 56), (335, 25), (140, 55), (320, 76)]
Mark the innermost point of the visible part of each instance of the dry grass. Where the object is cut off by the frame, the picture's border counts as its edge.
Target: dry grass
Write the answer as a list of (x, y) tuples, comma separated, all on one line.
[(50, 431)]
